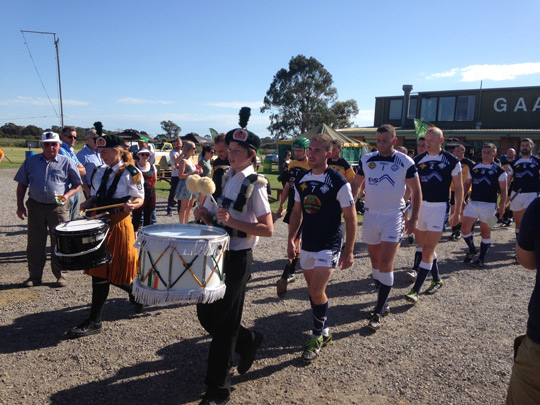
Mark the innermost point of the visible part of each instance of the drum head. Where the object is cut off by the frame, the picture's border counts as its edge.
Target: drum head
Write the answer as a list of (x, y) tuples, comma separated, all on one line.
[(79, 225), (183, 231)]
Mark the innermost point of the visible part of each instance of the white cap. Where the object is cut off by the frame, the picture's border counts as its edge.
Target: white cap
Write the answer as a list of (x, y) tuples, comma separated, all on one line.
[(144, 151), (50, 136)]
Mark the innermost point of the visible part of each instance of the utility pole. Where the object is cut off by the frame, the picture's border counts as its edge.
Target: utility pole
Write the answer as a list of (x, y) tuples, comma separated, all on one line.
[(56, 41)]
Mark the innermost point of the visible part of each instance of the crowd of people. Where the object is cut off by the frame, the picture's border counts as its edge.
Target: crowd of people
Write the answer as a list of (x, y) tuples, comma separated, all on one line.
[(404, 193)]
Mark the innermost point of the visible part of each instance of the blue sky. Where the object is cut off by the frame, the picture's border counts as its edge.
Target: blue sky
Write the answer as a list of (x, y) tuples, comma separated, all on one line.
[(132, 64)]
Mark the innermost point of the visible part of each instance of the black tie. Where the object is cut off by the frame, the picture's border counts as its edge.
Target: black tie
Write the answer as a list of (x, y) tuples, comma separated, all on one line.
[(103, 186)]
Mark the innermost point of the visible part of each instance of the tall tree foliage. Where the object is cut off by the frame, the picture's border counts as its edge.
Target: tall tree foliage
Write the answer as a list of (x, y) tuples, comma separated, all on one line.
[(301, 97), (171, 129)]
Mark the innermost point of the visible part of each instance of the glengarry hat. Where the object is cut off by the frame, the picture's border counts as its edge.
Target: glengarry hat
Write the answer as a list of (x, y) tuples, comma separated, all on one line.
[(242, 135), (109, 141)]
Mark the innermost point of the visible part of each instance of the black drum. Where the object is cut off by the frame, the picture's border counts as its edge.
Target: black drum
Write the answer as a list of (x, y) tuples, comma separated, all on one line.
[(81, 244)]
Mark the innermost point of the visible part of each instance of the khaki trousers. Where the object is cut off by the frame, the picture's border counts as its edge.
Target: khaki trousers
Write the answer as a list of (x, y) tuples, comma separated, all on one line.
[(524, 385)]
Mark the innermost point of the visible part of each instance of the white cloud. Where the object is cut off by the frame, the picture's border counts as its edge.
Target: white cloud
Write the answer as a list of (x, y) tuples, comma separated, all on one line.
[(364, 118), (133, 100), (41, 102), (475, 73), (235, 104)]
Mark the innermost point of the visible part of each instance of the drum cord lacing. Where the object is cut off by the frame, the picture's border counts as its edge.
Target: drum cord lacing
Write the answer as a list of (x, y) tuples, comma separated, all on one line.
[(57, 253)]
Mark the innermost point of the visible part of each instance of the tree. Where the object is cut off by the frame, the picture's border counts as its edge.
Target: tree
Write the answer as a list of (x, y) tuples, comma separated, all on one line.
[(31, 131), (341, 114), (299, 98), (171, 129)]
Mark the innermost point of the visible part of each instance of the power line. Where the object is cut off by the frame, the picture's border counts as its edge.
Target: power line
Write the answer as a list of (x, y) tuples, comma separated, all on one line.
[(39, 76), (26, 118)]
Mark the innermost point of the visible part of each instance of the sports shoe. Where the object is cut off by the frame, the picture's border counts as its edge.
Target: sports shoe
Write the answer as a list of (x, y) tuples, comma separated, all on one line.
[(313, 347), (434, 287), (138, 306), (211, 400), (327, 340), (469, 256), (86, 328), (412, 297), (247, 358), (386, 310), (281, 287), (60, 282), (374, 322), (291, 278), (457, 235), (478, 263), (31, 282), (411, 276)]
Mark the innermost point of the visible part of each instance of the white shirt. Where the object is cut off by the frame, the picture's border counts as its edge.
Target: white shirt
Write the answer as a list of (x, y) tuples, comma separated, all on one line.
[(257, 205), (125, 185), (173, 154)]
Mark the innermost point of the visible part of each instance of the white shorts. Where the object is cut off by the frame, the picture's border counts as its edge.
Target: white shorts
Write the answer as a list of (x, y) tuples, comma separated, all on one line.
[(481, 210), (432, 216), (324, 258), (379, 228), (522, 200)]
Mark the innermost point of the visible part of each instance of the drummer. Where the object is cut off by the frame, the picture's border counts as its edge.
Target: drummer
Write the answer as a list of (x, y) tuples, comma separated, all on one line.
[(117, 182), (222, 318)]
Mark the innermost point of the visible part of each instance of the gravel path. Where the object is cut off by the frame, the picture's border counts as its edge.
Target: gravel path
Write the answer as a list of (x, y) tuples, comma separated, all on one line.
[(454, 347)]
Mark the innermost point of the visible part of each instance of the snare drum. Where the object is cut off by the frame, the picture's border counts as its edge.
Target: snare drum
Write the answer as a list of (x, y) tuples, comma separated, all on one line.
[(81, 244), (180, 263)]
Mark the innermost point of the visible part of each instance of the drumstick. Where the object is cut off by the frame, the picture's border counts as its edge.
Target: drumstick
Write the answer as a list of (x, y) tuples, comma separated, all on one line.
[(105, 207), (192, 186), (207, 187)]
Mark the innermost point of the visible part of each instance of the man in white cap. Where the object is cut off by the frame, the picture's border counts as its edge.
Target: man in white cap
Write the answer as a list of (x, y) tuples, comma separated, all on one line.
[(50, 179)]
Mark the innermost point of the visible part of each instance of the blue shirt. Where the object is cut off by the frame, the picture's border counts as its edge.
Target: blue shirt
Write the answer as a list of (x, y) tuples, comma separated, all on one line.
[(68, 151), (45, 180), (90, 160)]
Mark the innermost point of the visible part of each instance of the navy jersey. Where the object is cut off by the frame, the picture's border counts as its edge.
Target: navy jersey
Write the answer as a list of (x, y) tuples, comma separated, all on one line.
[(529, 239), (485, 182), (322, 197), (385, 180), (526, 174), (436, 175), (295, 170)]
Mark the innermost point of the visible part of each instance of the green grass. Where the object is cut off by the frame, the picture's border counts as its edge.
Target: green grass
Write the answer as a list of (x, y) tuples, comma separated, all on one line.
[(15, 155)]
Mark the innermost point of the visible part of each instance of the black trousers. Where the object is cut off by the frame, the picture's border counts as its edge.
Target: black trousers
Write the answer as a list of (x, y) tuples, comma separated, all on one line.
[(222, 319), (170, 201)]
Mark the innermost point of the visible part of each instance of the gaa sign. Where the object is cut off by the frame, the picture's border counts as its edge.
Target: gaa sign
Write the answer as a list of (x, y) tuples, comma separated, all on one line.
[(501, 105)]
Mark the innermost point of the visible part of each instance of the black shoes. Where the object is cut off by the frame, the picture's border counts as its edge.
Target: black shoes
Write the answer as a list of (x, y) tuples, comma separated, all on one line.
[(138, 306), (210, 400), (478, 263), (86, 328), (469, 256), (246, 359)]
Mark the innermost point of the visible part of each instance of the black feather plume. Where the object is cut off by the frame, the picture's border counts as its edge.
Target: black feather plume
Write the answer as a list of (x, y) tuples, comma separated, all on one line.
[(245, 113), (99, 127)]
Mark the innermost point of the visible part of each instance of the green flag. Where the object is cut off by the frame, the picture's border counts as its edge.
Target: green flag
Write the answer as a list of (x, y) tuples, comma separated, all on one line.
[(213, 132), (421, 127)]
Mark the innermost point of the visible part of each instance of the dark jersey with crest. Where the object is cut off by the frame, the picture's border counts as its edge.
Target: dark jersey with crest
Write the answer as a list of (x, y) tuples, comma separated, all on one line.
[(322, 197), (435, 174), (485, 182), (526, 174), (343, 167), (296, 169)]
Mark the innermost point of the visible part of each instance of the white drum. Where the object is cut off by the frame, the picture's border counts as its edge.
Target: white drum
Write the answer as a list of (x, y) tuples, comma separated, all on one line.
[(180, 263)]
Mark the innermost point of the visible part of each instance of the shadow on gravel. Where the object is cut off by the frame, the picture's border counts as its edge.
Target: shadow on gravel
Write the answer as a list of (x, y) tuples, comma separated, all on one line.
[(178, 377), (21, 230), (13, 257), (46, 329)]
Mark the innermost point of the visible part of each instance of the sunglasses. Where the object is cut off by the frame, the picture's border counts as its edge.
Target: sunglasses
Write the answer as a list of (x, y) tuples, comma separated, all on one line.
[(70, 136), (144, 154)]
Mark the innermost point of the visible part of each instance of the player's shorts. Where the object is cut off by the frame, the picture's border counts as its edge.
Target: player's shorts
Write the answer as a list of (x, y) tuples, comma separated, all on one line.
[(481, 210), (432, 216), (522, 200), (324, 258), (379, 228)]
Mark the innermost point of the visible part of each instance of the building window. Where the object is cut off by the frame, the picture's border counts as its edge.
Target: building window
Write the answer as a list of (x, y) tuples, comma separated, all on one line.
[(465, 108), (412, 108), (428, 109), (447, 107), (396, 106)]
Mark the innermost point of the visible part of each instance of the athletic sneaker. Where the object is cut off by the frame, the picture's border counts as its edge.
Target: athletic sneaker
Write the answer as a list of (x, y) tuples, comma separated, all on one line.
[(313, 347), (478, 263), (386, 310), (374, 322), (457, 235), (434, 287), (469, 256), (412, 297), (411, 276), (327, 340)]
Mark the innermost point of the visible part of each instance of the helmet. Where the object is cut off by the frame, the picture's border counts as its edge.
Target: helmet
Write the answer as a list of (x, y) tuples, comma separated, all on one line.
[(300, 143)]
